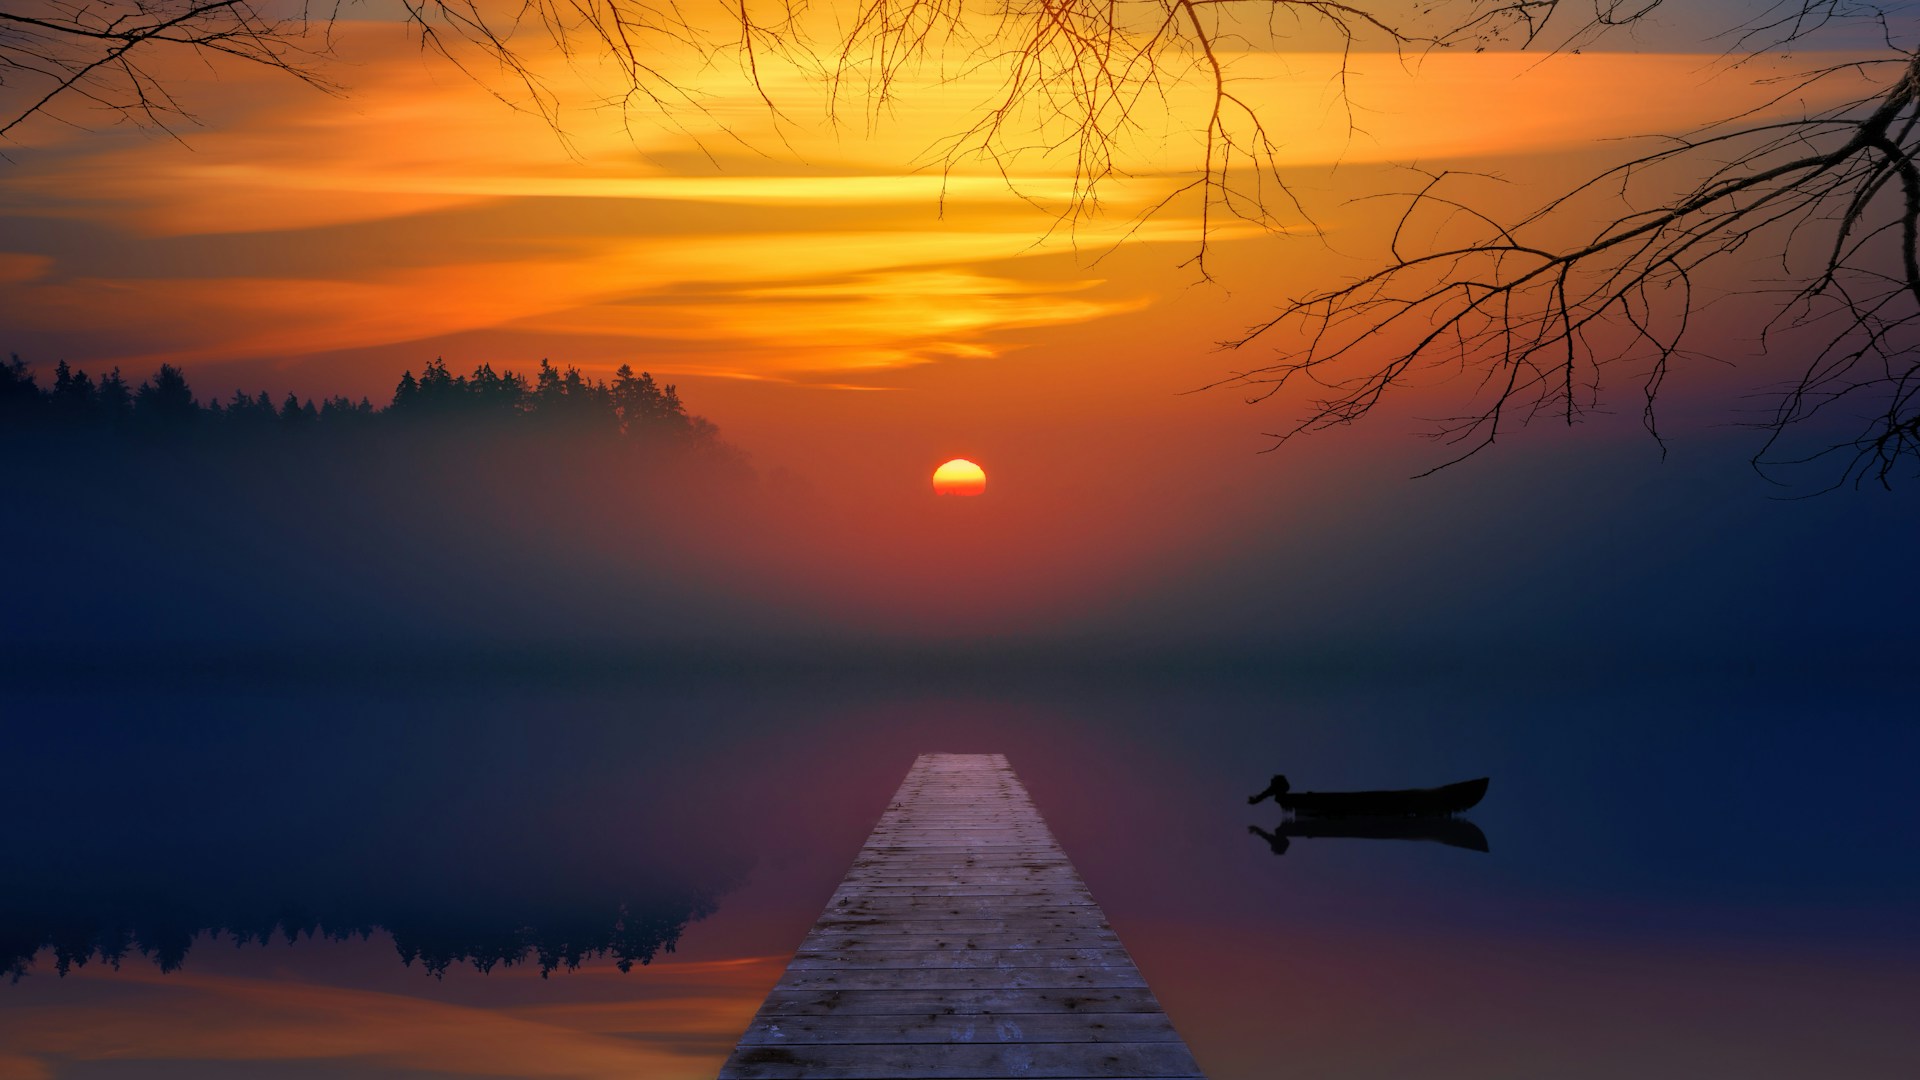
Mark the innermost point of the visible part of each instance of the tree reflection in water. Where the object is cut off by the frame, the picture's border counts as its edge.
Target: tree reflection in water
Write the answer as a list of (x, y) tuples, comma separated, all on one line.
[(484, 842)]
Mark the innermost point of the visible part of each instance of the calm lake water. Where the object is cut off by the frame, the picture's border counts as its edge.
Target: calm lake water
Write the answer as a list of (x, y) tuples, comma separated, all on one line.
[(1690, 874)]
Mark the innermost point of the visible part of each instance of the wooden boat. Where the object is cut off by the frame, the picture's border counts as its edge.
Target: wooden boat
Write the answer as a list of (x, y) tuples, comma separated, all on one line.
[(1450, 799)]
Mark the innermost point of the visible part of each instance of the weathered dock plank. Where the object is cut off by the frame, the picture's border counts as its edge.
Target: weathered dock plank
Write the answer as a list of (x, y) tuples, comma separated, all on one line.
[(983, 1027), (960, 1061), (961, 944), (948, 979), (1016, 1002)]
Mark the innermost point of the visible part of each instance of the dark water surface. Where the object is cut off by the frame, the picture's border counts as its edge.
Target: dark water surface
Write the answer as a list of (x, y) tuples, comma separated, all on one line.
[(1689, 876)]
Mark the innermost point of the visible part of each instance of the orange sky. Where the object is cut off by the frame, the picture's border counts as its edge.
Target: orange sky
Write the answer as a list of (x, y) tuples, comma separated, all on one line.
[(851, 319), (848, 316), (418, 209)]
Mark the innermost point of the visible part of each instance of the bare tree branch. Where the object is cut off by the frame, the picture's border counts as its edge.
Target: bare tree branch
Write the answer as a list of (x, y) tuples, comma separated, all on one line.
[(1540, 310), (98, 52), (1535, 313)]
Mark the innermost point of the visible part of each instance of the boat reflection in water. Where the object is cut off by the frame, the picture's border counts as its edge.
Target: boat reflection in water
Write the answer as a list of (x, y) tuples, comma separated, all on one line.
[(1452, 831)]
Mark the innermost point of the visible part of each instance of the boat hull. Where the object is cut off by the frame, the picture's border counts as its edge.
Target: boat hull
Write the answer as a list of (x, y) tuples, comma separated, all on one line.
[(1412, 802)]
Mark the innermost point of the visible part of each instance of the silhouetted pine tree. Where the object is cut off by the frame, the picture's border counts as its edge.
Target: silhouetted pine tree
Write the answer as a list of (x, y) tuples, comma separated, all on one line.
[(20, 398), (341, 413), (643, 404), (114, 400), (406, 395), (73, 397), (166, 403), (297, 414)]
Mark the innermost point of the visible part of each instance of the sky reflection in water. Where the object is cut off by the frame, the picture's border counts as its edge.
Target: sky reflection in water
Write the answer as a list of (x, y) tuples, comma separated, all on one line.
[(1705, 876)]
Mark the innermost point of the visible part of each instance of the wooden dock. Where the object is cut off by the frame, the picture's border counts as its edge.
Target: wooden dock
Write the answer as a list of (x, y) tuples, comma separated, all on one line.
[(962, 944)]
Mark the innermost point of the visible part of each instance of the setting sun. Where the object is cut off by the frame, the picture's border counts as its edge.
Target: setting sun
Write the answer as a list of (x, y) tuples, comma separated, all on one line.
[(959, 477)]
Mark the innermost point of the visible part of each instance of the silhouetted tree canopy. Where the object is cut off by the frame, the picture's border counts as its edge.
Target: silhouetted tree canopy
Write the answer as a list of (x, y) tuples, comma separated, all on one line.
[(632, 408), (474, 508)]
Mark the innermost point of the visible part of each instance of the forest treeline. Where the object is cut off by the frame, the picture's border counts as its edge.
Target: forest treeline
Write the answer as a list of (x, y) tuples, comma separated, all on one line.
[(554, 401), (558, 936), (485, 507)]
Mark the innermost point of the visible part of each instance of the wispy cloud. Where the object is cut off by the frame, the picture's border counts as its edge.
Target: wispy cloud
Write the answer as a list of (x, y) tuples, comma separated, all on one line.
[(421, 209)]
